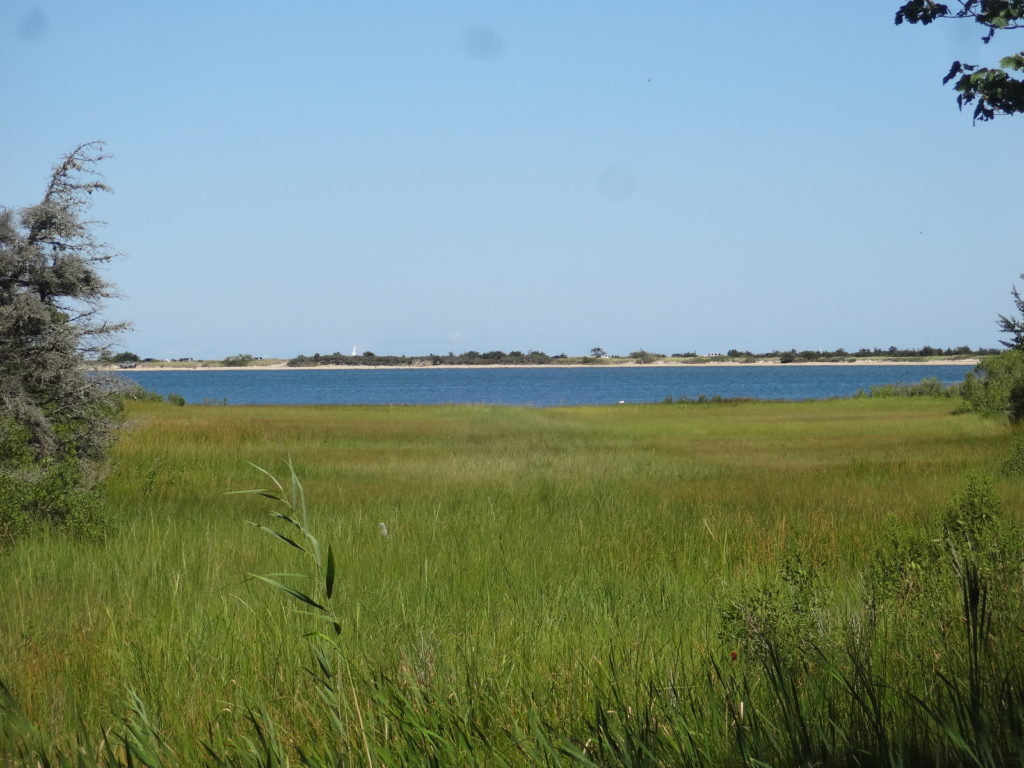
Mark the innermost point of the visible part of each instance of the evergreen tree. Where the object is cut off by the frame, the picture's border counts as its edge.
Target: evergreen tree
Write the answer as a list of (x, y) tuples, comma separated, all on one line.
[(56, 416), (1013, 325)]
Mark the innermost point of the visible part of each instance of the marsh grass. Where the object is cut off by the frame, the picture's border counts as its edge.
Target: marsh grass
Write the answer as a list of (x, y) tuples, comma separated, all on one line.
[(930, 387), (555, 588)]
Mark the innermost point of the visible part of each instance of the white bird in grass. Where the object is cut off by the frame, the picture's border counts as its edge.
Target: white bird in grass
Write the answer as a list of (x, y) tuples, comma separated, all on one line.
[(383, 529)]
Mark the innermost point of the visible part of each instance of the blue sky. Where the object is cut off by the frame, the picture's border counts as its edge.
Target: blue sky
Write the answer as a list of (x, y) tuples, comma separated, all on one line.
[(415, 178)]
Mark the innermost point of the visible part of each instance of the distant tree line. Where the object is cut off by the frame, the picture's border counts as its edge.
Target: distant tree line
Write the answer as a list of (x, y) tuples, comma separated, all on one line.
[(121, 357), (535, 357), (472, 357), (809, 355)]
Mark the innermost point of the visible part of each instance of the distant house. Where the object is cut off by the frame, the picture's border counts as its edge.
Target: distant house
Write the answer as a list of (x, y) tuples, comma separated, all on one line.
[(714, 354)]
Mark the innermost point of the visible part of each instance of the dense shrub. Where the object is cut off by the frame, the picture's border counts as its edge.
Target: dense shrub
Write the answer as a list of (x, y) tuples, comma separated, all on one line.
[(995, 386), (472, 357), (121, 357), (925, 670), (930, 387), (1014, 465), (38, 493)]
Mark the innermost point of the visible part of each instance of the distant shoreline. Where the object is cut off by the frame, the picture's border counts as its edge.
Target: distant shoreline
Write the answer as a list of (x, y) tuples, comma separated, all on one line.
[(281, 365)]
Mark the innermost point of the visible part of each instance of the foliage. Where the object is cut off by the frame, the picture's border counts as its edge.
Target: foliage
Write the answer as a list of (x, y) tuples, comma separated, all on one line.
[(35, 492), (993, 91), (1014, 465), (930, 387), (777, 620), (471, 357), (925, 672), (120, 357), (643, 357), (1012, 325), (536, 357), (841, 355), (703, 399), (134, 391), (60, 415), (238, 361), (995, 386)]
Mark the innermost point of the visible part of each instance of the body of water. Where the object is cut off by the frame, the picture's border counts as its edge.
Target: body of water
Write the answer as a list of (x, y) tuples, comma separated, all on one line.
[(532, 386)]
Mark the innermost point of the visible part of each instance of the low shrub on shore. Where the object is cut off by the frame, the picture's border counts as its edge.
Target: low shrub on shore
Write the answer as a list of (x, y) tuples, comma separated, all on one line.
[(996, 386), (930, 387)]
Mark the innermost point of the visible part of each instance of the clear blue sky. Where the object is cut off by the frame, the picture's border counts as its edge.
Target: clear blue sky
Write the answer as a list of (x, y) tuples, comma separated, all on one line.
[(412, 178)]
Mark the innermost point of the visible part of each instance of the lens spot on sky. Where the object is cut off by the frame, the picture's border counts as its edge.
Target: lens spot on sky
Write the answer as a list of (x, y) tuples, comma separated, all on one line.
[(32, 25), (617, 184), (483, 43)]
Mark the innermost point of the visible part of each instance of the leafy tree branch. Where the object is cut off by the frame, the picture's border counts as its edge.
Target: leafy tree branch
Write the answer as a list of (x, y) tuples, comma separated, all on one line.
[(991, 90)]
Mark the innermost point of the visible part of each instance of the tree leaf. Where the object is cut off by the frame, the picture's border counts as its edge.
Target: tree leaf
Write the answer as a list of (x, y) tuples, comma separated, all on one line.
[(1014, 62), (954, 70)]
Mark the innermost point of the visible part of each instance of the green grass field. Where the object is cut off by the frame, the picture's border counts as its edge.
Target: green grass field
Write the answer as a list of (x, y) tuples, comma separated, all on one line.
[(550, 590)]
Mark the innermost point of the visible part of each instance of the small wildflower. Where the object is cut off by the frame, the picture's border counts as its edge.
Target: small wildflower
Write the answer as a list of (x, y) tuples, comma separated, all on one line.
[(733, 655)]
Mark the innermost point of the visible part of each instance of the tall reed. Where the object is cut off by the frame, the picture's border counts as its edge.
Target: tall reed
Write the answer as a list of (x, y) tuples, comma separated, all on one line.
[(555, 587)]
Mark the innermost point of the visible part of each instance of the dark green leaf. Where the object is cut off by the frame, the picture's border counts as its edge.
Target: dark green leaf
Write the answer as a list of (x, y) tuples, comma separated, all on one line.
[(280, 536), (329, 576), (300, 596)]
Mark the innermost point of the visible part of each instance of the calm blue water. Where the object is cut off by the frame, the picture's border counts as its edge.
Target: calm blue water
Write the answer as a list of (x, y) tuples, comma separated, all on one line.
[(533, 386)]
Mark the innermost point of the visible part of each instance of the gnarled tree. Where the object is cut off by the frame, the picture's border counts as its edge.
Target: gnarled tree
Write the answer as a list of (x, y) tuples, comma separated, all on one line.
[(56, 416)]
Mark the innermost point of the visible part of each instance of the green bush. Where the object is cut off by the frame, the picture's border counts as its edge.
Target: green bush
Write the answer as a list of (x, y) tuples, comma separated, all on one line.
[(925, 671), (132, 391), (51, 494), (1014, 466), (930, 387), (996, 386), (15, 520), (37, 493), (643, 357), (1015, 408)]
